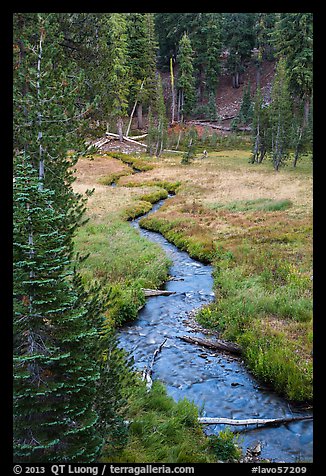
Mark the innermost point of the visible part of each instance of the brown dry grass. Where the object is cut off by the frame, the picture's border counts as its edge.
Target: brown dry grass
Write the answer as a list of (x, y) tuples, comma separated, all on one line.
[(106, 202), (226, 176)]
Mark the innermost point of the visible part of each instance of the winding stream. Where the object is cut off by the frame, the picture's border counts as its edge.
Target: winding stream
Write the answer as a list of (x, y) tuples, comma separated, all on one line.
[(218, 384)]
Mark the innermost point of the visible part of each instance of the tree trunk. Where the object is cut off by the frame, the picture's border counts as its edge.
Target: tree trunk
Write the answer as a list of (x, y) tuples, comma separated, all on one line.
[(297, 147), (306, 111), (140, 116), (178, 141), (39, 114), (236, 80), (157, 292), (178, 108), (258, 76), (182, 104), (147, 372), (173, 91), (262, 154), (256, 146), (119, 127), (216, 345), (201, 85)]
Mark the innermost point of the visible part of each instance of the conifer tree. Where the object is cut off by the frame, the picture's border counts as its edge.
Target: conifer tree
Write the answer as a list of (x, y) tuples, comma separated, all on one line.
[(186, 89), (239, 39), (191, 139), (213, 50), (260, 128), (157, 131), (57, 364), (150, 56), (118, 79), (293, 40), (142, 60), (245, 113), (212, 108), (280, 116), (263, 29)]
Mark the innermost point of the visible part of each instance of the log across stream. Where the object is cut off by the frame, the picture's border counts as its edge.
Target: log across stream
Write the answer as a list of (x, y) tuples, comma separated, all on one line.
[(217, 381)]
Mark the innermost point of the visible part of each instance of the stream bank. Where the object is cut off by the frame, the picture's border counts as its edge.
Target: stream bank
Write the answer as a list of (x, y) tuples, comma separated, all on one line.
[(219, 384)]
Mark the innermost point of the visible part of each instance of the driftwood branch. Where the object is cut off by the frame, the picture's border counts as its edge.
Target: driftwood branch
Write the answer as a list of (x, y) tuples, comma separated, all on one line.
[(157, 292), (251, 421), (147, 372), (216, 345)]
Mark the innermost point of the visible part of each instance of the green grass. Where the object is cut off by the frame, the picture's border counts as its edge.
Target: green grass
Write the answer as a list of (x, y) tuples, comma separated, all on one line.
[(114, 177), (198, 247), (155, 195), (165, 431), (259, 204), (137, 163), (124, 262), (170, 187), (247, 297)]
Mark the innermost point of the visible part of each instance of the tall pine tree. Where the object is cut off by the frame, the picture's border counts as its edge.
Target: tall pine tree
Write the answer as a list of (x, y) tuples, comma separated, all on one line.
[(142, 60), (239, 39), (57, 351), (280, 116), (186, 89), (118, 79)]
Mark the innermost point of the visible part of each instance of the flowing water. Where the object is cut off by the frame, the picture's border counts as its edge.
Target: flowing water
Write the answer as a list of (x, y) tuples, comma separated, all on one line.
[(219, 384)]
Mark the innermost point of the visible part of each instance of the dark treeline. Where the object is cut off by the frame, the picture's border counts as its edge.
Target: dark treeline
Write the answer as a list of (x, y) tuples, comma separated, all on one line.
[(226, 44), (72, 71)]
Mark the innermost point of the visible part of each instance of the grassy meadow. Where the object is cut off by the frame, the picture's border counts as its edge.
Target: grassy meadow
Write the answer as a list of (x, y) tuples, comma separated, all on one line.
[(161, 430), (254, 225)]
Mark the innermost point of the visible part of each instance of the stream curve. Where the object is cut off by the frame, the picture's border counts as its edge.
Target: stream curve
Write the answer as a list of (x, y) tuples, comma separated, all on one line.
[(218, 383)]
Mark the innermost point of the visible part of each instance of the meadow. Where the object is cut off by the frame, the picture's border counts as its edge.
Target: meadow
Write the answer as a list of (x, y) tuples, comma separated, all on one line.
[(254, 225)]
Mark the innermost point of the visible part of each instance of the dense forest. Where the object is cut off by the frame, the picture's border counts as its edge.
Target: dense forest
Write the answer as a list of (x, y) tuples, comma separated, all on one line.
[(153, 81)]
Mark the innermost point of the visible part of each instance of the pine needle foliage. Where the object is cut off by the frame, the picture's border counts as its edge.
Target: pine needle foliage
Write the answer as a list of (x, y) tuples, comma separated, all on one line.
[(61, 412)]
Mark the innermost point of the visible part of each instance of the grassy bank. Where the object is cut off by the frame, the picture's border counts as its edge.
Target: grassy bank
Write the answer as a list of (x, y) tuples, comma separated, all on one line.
[(122, 260), (164, 431), (161, 430), (255, 225)]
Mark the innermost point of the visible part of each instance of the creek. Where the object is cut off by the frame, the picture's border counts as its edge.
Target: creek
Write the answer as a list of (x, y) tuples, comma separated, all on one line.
[(218, 383)]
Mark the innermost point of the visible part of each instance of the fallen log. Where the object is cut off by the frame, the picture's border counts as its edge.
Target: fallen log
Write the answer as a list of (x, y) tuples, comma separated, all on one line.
[(216, 345), (99, 143), (251, 421), (157, 292), (137, 137), (111, 134)]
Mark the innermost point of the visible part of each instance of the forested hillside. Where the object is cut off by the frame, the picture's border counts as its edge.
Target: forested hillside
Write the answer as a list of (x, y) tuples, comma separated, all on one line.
[(212, 112)]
